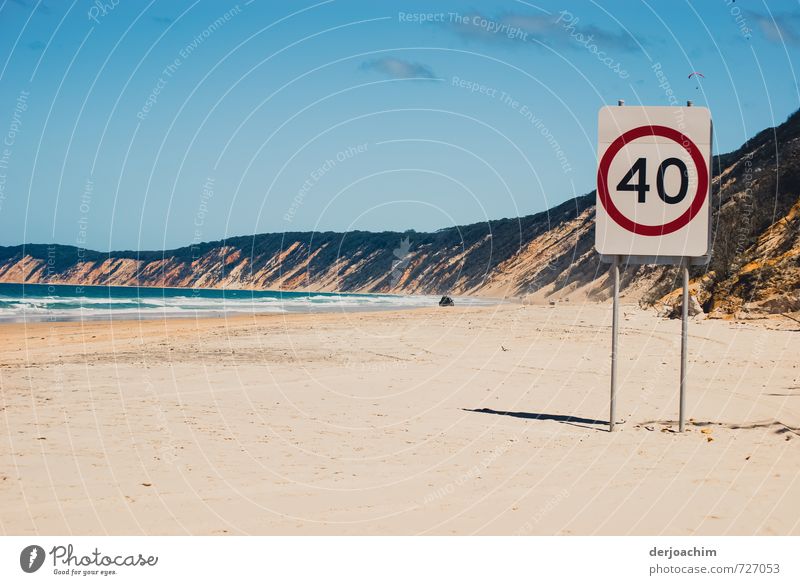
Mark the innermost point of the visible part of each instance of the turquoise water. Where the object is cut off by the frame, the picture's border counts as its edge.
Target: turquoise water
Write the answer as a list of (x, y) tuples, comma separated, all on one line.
[(45, 302)]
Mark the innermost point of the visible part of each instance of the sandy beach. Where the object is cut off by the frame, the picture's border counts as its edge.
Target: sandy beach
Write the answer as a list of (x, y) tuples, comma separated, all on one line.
[(486, 420)]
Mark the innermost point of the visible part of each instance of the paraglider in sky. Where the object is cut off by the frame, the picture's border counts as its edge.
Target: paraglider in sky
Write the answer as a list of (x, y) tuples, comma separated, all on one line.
[(697, 75)]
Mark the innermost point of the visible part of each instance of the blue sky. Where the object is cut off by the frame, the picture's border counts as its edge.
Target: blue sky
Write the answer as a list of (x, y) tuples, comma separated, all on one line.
[(140, 125)]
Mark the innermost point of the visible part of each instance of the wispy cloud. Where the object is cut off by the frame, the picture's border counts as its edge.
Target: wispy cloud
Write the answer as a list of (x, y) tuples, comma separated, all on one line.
[(619, 41), (509, 27), (514, 28), (398, 68), (782, 28)]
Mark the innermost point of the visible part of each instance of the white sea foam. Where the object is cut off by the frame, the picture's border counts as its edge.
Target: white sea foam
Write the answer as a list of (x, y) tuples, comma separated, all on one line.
[(125, 304)]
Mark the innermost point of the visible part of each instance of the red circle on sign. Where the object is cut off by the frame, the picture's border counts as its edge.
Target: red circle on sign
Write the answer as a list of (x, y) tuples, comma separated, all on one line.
[(678, 222)]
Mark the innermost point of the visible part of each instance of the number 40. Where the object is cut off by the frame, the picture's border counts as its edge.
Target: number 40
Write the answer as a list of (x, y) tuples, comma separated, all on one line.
[(641, 187)]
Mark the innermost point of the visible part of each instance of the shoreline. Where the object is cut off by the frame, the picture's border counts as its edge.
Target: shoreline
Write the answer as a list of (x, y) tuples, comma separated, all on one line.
[(783, 321), (215, 315), (89, 303)]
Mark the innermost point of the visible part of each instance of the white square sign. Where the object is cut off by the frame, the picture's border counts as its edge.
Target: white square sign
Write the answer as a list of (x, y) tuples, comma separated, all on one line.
[(653, 181)]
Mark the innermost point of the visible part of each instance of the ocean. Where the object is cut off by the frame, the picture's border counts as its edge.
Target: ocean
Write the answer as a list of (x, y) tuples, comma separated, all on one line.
[(58, 302)]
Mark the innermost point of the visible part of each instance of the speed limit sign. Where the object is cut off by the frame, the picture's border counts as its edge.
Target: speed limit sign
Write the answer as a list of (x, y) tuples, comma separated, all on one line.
[(653, 191), (653, 183)]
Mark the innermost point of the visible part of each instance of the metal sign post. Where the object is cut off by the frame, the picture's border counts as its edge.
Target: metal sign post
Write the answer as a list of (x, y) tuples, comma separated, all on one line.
[(684, 343), (612, 416), (653, 192)]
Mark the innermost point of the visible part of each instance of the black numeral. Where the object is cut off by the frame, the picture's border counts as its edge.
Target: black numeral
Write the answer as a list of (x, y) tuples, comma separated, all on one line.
[(640, 167), (662, 168)]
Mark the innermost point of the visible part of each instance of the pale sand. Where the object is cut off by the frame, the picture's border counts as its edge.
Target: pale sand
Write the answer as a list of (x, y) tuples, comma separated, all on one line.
[(355, 424)]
